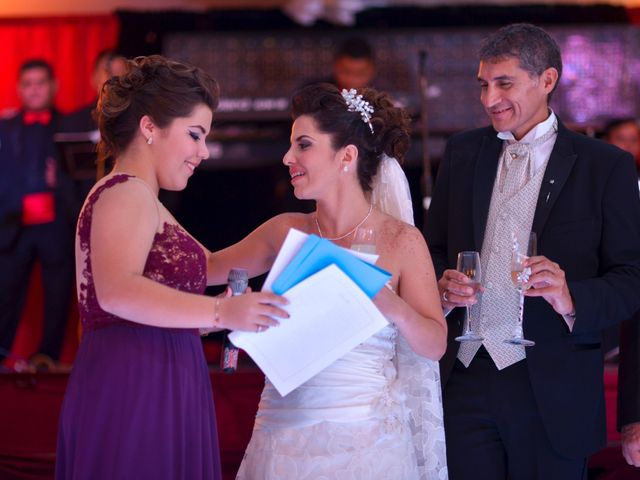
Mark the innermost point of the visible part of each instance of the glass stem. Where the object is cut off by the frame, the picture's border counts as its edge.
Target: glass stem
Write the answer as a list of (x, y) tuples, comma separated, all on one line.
[(519, 330), (468, 315)]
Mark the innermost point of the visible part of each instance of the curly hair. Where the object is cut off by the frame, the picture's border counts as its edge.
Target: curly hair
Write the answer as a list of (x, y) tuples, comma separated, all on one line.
[(154, 86), (325, 104)]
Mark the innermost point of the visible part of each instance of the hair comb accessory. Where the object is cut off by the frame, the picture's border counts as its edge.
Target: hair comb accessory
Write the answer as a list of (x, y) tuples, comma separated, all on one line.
[(355, 103)]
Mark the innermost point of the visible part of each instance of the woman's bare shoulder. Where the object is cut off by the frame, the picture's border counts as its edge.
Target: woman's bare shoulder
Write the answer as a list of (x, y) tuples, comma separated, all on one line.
[(400, 240), (125, 195), (284, 221)]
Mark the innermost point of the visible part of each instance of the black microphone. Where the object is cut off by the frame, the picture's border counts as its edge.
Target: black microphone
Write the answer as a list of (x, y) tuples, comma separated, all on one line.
[(238, 281)]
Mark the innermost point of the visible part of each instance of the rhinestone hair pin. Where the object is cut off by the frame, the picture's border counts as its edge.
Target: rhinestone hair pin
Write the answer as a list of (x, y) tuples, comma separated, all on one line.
[(355, 103)]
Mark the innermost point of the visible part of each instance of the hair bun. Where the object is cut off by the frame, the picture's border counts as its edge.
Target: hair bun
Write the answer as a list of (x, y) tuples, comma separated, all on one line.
[(391, 125), (153, 86)]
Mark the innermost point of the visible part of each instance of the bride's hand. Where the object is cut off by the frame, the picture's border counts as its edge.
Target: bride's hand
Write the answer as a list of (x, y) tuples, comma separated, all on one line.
[(251, 312)]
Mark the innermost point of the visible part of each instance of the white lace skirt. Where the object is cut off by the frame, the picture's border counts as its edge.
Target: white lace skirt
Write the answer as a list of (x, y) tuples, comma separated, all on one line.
[(348, 422), (331, 451)]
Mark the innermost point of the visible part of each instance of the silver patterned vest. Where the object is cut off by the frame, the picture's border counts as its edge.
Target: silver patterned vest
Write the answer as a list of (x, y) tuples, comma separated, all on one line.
[(494, 316)]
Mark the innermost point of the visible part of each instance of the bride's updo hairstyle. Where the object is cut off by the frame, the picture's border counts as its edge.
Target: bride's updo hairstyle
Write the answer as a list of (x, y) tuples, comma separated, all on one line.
[(325, 104), (154, 86)]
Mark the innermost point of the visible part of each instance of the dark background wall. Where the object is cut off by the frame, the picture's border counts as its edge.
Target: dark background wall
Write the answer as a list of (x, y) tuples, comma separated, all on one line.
[(260, 57)]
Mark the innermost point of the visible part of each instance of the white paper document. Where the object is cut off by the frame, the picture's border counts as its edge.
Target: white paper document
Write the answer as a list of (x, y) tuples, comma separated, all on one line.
[(329, 316), (292, 243)]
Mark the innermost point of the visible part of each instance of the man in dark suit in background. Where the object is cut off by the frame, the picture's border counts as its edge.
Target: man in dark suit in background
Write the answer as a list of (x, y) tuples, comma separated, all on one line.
[(36, 204), (107, 64), (534, 413), (85, 169)]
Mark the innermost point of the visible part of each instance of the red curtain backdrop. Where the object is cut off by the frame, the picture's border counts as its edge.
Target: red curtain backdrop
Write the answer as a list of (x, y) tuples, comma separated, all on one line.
[(634, 15), (71, 44)]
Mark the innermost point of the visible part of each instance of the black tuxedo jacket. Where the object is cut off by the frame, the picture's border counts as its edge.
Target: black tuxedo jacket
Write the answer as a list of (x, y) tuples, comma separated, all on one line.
[(23, 154), (587, 219)]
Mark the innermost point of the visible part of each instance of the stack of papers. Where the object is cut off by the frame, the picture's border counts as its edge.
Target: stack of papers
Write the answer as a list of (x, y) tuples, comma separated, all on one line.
[(329, 290), (316, 254)]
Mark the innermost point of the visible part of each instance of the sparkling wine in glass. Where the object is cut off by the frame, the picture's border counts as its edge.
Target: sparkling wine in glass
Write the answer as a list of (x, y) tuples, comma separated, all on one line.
[(469, 264), (364, 240), (520, 276)]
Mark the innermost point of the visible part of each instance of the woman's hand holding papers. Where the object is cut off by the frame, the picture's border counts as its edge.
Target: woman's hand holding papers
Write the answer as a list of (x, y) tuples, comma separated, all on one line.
[(252, 312)]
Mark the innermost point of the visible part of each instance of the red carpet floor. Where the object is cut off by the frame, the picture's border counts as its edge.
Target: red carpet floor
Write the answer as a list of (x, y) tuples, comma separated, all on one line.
[(30, 404)]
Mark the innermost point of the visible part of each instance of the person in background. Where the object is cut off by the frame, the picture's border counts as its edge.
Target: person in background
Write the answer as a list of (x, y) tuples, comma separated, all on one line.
[(138, 402), (107, 64), (624, 133), (354, 64), (534, 412), (36, 219)]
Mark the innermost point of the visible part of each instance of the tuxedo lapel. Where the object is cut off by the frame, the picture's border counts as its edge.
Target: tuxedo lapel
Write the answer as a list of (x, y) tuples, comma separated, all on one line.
[(15, 133), (555, 176), (484, 178)]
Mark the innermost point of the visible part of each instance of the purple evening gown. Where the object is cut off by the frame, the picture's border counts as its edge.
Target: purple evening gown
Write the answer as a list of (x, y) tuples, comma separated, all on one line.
[(139, 404)]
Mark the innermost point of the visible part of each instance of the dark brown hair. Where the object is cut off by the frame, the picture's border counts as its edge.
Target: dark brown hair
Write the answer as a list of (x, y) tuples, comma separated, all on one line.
[(325, 104), (534, 48), (36, 63), (154, 86)]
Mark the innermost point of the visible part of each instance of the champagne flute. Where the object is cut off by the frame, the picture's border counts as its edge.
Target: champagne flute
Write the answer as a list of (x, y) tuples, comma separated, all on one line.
[(469, 264), (364, 240), (520, 276)]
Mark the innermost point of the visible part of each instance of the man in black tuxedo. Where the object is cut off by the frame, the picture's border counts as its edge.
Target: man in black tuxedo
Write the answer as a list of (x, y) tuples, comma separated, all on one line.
[(36, 201), (536, 412)]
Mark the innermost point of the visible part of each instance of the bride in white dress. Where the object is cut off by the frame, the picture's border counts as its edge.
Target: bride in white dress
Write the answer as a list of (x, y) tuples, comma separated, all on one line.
[(375, 413)]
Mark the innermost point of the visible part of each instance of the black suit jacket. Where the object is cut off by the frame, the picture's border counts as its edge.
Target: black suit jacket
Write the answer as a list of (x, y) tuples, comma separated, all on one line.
[(80, 120), (23, 154), (587, 220)]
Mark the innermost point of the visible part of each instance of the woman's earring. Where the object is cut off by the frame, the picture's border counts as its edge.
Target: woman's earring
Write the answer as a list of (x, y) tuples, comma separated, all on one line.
[(149, 140), (345, 168)]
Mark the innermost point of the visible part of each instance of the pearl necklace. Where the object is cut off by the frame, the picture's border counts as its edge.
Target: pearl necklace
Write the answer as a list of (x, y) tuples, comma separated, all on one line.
[(350, 232)]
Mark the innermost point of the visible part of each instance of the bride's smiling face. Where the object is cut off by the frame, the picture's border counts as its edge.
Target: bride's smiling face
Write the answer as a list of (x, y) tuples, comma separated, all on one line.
[(314, 165)]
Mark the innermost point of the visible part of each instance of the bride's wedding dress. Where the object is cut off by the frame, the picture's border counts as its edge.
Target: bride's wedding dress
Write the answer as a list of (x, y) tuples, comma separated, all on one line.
[(375, 413)]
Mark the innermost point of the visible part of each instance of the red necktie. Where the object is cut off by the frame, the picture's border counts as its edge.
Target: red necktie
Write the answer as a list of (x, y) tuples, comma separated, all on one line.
[(43, 117)]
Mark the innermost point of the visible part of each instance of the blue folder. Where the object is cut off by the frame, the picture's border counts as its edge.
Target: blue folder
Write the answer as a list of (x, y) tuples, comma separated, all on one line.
[(318, 253)]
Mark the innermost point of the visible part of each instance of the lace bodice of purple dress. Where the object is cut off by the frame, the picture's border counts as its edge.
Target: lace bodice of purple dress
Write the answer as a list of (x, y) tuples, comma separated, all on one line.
[(175, 260)]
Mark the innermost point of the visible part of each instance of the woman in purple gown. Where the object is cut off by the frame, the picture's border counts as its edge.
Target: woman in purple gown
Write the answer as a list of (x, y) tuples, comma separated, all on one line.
[(139, 402)]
